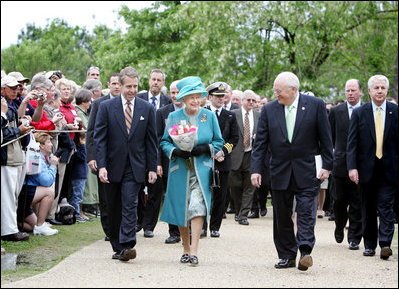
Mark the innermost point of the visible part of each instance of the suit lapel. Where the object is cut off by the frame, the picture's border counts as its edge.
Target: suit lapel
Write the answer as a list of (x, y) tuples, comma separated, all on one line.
[(136, 115), (300, 113), (369, 118), (240, 121), (388, 120), (280, 118), (120, 115)]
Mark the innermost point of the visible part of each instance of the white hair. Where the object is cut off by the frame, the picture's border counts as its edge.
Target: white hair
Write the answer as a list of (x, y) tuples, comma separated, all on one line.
[(289, 78), (247, 92), (370, 83)]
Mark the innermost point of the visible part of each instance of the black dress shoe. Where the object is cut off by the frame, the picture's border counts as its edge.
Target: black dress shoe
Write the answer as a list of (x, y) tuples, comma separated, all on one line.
[(253, 215), (20, 236), (203, 233), (106, 239), (331, 217), (339, 235), (243, 222), (236, 218), (368, 252), (127, 254), (116, 256), (263, 212), (385, 253), (172, 240), (138, 228), (54, 222), (224, 216), (148, 234), (285, 263), (353, 246), (305, 262), (215, 234), (229, 211)]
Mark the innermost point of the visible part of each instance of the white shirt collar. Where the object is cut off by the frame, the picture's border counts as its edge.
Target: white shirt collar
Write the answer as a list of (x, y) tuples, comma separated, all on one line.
[(296, 100)]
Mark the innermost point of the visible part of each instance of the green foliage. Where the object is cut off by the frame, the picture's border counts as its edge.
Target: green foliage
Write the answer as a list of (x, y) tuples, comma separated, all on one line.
[(244, 43)]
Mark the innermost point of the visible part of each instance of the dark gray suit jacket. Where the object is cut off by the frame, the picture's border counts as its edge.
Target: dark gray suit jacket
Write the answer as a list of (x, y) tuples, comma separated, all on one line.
[(238, 153)]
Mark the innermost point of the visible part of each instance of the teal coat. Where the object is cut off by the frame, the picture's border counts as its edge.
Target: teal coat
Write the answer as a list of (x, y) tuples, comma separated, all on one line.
[(175, 206)]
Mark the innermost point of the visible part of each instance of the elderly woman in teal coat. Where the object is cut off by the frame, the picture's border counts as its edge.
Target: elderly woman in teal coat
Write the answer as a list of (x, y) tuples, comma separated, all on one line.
[(188, 194)]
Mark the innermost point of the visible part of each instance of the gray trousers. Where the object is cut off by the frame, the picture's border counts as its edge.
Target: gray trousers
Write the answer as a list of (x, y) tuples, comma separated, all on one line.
[(241, 189)]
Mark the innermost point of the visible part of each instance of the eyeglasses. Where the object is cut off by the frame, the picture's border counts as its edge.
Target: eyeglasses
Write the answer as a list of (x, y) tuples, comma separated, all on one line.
[(251, 100)]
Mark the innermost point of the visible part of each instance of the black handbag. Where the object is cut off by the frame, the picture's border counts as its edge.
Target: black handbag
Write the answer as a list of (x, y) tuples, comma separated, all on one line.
[(215, 181)]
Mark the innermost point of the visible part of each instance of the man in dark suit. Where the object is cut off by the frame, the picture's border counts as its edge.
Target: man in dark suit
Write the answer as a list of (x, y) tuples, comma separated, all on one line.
[(228, 125), (163, 160), (372, 161), (150, 199), (115, 89), (295, 129), (242, 191), (126, 148), (346, 193)]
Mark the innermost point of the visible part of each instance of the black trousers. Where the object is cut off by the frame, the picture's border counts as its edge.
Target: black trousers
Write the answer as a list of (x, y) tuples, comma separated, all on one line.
[(347, 205), (122, 200), (260, 198), (286, 242), (103, 207), (149, 206), (219, 196), (378, 196)]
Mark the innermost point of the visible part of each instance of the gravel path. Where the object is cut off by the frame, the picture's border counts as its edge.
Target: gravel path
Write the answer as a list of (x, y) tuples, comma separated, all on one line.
[(243, 256)]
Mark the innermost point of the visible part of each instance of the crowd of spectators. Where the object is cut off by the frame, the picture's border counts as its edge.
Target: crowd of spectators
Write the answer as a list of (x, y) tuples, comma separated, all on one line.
[(58, 111)]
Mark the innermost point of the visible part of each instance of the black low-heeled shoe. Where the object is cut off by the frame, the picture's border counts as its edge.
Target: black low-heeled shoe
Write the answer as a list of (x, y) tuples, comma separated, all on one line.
[(185, 258), (194, 260)]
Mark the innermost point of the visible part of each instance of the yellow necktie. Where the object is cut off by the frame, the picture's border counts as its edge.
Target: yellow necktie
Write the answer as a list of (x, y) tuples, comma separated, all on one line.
[(379, 133)]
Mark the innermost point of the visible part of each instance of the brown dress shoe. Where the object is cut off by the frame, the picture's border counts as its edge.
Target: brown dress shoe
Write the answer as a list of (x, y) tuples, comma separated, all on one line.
[(305, 262), (385, 253), (127, 254)]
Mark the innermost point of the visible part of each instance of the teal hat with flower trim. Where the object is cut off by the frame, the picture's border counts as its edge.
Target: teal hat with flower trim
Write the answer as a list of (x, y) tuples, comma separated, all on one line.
[(190, 85)]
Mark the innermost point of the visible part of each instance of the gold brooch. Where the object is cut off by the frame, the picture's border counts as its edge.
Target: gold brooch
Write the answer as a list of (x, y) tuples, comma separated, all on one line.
[(203, 118)]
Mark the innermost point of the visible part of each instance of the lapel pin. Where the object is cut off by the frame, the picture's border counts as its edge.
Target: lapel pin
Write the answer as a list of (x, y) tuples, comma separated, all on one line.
[(390, 112), (303, 108)]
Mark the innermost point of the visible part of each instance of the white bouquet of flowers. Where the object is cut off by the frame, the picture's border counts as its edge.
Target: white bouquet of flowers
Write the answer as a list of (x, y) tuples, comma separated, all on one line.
[(183, 135)]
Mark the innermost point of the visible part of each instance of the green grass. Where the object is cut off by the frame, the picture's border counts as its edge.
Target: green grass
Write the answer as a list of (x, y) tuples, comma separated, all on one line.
[(41, 253)]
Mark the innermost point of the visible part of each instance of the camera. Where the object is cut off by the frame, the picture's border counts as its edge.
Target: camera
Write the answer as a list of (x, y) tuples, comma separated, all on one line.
[(57, 113), (40, 95), (76, 121), (25, 122)]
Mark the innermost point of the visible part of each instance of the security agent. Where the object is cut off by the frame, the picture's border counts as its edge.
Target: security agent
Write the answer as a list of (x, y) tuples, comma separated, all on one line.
[(229, 128)]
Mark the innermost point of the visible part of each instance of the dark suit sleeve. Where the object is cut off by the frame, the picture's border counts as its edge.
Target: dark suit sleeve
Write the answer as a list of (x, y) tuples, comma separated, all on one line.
[(100, 136), (351, 147), (91, 154), (324, 131), (232, 140), (160, 128), (260, 145), (151, 142), (331, 119)]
